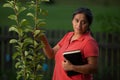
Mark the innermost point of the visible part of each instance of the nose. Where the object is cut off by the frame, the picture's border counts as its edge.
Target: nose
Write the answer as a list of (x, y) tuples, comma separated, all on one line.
[(79, 24)]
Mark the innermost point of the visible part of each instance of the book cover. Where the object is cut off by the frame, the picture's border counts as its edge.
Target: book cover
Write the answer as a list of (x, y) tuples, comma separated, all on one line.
[(75, 57)]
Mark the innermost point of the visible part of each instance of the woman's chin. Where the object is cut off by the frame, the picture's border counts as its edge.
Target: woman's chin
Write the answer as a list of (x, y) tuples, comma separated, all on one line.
[(79, 32)]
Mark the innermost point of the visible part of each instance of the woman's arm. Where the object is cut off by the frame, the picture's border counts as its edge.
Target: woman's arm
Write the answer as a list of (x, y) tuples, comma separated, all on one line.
[(50, 52), (91, 67)]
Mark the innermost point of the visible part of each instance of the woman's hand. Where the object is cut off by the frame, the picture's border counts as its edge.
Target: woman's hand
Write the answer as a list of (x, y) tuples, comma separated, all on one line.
[(67, 66), (38, 34)]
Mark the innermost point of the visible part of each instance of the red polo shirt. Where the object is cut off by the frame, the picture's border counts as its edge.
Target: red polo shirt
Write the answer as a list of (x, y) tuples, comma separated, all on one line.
[(88, 47)]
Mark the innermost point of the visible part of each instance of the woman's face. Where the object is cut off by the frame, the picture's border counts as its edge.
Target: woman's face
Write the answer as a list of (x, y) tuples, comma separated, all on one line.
[(80, 23)]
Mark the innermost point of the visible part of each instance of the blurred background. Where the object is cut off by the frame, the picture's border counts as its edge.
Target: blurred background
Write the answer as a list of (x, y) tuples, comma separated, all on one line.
[(105, 28)]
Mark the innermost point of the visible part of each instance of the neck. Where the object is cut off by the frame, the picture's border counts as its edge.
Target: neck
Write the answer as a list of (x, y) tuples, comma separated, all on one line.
[(75, 36)]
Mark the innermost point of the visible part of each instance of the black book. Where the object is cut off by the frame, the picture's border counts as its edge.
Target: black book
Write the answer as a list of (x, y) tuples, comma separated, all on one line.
[(75, 57)]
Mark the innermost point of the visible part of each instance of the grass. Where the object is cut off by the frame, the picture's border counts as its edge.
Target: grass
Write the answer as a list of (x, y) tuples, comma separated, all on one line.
[(106, 18)]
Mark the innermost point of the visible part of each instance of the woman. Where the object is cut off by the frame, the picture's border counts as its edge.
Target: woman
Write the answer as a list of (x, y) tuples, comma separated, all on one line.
[(79, 39)]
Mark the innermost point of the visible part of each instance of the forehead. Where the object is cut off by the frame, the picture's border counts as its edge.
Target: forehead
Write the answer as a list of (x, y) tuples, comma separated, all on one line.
[(80, 16)]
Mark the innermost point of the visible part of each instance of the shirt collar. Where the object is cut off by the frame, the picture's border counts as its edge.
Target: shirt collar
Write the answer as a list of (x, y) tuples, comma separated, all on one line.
[(81, 38)]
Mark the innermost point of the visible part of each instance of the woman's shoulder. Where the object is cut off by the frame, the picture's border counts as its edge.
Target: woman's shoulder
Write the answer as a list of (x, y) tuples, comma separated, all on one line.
[(69, 33), (88, 39), (88, 36)]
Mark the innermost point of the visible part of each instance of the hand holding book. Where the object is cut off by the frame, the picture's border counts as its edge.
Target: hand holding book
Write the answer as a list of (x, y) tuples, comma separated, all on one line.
[(75, 58)]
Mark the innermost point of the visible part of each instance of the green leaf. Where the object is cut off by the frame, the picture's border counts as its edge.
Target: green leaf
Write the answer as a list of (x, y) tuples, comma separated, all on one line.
[(8, 5), (41, 24), (30, 14), (20, 66), (13, 28), (39, 47), (11, 2), (20, 45), (12, 17), (23, 22), (18, 48), (39, 20), (41, 56), (26, 53), (17, 64), (39, 67), (13, 41), (28, 41), (15, 55), (16, 29), (36, 32), (22, 9), (20, 74), (28, 29), (28, 75), (17, 8), (20, 31), (44, 12), (35, 44), (18, 77), (30, 57)]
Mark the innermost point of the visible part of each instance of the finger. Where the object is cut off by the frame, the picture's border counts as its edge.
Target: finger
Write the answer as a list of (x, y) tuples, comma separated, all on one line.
[(64, 60)]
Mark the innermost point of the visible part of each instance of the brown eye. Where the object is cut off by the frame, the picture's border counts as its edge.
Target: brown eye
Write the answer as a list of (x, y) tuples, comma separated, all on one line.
[(83, 22), (76, 20)]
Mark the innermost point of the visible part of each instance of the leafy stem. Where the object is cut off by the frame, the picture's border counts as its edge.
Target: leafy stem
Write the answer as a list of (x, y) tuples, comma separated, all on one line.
[(16, 12), (28, 56), (36, 13)]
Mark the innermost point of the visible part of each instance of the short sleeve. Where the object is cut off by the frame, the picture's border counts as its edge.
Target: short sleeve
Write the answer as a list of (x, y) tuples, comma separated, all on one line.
[(91, 48)]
